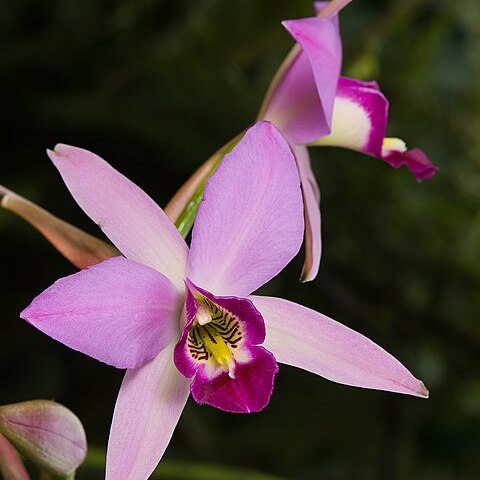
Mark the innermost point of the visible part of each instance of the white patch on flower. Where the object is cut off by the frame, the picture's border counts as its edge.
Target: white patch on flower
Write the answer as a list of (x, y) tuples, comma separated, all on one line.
[(216, 339), (351, 126), (203, 315), (391, 145)]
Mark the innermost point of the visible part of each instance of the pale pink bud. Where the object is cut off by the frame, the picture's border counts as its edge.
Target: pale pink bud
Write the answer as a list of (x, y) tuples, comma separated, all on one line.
[(47, 433)]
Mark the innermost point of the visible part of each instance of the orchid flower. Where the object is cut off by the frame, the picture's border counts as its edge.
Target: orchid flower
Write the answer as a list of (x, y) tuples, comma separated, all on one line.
[(183, 320), (312, 105)]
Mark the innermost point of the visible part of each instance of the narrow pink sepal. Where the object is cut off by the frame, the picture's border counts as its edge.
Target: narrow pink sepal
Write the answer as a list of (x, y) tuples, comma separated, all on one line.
[(11, 467), (311, 201), (129, 217), (307, 339), (250, 223), (415, 160), (118, 311), (302, 104), (149, 405)]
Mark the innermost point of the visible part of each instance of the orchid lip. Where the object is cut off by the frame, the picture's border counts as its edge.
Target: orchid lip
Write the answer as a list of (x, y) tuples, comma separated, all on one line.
[(220, 348), (216, 338)]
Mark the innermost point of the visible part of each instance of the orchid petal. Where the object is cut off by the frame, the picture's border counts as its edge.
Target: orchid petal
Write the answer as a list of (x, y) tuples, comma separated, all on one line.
[(149, 405), (74, 244), (119, 312), (302, 103), (11, 467), (250, 223), (128, 216), (307, 339), (311, 199), (330, 8), (360, 115), (415, 160)]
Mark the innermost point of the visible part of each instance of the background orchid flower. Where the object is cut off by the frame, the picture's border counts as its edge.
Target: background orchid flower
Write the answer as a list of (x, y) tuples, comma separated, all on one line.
[(359, 122), (183, 320), (313, 105)]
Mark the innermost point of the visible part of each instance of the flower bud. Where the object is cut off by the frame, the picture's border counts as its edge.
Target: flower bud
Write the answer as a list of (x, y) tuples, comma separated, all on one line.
[(47, 433)]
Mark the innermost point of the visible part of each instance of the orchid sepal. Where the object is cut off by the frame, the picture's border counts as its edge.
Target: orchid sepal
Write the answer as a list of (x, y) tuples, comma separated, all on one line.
[(328, 348)]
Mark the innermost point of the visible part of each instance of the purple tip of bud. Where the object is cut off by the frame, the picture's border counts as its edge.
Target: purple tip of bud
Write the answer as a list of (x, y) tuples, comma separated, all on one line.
[(47, 433)]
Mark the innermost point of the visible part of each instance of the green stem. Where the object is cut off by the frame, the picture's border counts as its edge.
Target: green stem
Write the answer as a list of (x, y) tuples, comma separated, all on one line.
[(186, 218)]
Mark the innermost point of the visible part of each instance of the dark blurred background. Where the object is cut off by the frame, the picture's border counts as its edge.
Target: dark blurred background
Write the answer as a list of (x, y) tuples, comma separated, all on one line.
[(155, 87)]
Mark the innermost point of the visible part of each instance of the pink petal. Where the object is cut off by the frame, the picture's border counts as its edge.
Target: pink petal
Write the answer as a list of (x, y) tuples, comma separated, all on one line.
[(128, 216), (359, 123), (360, 115), (319, 6), (118, 311), (307, 339), (149, 405), (311, 200), (250, 223), (249, 391), (330, 8), (11, 467), (302, 103), (415, 160)]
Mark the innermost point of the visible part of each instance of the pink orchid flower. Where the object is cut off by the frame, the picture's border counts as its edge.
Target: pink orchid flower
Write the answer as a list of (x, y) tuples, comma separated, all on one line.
[(312, 105), (183, 321)]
